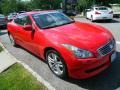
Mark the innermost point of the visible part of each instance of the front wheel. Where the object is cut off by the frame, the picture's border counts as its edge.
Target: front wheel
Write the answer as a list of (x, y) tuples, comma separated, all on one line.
[(56, 63)]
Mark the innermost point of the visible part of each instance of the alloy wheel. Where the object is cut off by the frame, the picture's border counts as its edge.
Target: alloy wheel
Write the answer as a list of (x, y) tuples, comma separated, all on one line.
[(56, 64)]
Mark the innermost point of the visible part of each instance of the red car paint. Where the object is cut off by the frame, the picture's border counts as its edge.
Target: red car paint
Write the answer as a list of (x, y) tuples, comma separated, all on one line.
[(82, 35)]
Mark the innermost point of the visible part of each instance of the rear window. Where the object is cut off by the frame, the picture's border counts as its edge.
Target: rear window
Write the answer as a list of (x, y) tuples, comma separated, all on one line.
[(101, 8)]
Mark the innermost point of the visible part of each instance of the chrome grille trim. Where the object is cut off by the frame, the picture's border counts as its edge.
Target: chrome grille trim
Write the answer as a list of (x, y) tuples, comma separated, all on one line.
[(107, 48)]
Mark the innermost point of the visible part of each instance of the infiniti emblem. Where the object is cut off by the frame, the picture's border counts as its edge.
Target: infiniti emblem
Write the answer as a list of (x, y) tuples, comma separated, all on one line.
[(111, 46)]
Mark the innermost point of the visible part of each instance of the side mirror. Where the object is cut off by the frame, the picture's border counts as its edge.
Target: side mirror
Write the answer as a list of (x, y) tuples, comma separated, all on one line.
[(28, 27)]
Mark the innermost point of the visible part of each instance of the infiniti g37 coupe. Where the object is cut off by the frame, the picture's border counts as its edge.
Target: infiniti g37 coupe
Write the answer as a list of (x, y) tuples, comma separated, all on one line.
[(75, 49)]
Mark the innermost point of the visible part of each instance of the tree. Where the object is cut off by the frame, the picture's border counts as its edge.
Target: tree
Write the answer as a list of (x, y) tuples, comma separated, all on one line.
[(46, 4), (8, 6), (1, 6), (83, 4)]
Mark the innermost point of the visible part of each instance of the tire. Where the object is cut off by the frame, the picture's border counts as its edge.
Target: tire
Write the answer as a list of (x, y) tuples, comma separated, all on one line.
[(56, 64), (110, 20), (86, 16), (92, 19), (12, 40)]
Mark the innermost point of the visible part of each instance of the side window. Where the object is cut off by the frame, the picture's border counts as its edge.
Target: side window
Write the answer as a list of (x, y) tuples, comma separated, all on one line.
[(23, 20), (16, 20), (26, 20)]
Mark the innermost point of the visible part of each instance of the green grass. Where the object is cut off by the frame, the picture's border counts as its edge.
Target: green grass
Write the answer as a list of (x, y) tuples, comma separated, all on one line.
[(1, 49), (18, 78)]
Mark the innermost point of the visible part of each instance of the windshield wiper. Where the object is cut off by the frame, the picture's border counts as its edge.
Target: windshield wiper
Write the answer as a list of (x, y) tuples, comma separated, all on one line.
[(46, 27), (67, 23)]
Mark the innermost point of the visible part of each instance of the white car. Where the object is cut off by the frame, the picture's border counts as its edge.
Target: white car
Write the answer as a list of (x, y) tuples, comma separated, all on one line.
[(116, 10), (99, 13)]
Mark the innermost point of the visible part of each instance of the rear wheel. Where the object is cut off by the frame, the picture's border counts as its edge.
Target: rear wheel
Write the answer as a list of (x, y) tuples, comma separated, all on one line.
[(110, 20), (86, 16), (56, 63), (12, 40), (92, 19)]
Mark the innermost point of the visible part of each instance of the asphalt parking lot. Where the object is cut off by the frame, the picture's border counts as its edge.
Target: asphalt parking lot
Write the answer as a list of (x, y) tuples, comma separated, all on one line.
[(107, 80)]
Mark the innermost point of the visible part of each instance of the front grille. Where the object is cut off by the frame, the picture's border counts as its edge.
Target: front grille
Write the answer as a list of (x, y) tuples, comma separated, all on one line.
[(107, 48)]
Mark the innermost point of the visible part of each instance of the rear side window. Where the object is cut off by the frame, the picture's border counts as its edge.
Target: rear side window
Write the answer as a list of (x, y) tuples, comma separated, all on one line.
[(23, 20)]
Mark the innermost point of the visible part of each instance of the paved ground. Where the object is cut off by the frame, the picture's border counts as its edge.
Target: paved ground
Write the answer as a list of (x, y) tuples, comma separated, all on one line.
[(5, 61), (108, 80)]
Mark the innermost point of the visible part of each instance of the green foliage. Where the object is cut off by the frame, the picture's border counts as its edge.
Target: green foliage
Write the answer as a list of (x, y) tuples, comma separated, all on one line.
[(84, 3), (1, 49), (8, 6), (45, 4), (18, 78)]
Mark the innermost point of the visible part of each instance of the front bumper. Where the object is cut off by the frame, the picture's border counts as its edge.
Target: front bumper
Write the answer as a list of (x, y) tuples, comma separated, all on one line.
[(87, 68)]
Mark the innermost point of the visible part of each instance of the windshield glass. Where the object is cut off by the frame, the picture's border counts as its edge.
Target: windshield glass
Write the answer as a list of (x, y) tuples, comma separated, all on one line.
[(101, 8), (52, 19)]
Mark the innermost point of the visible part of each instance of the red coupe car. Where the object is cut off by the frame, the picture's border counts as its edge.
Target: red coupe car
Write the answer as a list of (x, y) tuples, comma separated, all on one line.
[(75, 49)]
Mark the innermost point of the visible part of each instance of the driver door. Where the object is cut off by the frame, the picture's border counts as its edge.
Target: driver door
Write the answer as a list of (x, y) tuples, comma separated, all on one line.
[(26, 36)]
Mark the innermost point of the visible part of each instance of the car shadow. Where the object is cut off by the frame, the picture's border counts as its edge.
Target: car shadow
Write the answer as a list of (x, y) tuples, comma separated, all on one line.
[(107, 80), (107, 21)]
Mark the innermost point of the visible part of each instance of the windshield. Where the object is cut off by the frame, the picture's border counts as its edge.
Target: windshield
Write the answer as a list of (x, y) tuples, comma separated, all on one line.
[(52, 19), (101, 8)]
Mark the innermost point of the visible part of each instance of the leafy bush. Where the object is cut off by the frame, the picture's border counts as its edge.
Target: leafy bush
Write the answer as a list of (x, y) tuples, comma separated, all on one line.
[(1, 49), (18, 78)]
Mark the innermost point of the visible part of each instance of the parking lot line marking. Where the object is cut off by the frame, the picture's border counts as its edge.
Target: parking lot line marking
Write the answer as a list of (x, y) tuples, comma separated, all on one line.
[(117, 42)]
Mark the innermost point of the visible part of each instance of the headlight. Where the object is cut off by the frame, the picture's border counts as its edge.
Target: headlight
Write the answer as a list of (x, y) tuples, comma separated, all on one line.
[(79, 53)]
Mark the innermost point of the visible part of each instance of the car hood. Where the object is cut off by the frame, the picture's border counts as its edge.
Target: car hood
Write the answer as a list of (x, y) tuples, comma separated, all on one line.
[(82, 35)]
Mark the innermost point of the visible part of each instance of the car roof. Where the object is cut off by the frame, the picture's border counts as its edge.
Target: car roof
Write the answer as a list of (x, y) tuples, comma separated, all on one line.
[(37, 12), (98, 6)]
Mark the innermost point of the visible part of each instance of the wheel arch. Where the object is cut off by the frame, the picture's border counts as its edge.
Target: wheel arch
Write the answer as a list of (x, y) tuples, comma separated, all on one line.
[(51, 48), (47, 49)]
